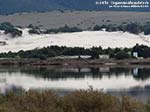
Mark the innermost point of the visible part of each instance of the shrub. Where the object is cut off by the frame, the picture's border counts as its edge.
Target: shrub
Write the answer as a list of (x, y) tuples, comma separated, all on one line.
[(122, 55), (34, 31), (79, 101), (147, 30), (10, 29), (14, 32), (64, 29)]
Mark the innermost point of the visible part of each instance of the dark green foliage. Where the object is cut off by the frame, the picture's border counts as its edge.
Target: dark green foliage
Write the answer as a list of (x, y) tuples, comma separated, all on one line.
[(53, 51), (132, 27), (65, 29), (109, 51), (34, 29), (109, 27), (146, 28), (94, 52), (122, 55), (30, 26), (75, 51), (6, 26), (97, 27), (14, 32), (142, 50), (10, 29)]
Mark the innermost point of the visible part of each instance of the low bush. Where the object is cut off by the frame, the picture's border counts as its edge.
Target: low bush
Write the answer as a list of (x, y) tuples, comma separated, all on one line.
[(79, 101)]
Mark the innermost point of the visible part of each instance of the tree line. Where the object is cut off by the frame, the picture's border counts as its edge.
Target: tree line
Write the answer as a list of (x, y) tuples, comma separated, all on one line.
[(94, 52), (131, 27), (64, 29)]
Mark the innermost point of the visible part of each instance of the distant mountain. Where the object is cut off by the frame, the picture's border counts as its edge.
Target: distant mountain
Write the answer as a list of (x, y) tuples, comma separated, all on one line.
[(14, 6)]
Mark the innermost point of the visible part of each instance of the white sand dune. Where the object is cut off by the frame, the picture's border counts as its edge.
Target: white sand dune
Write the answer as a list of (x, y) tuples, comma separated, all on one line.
[(85, 39)]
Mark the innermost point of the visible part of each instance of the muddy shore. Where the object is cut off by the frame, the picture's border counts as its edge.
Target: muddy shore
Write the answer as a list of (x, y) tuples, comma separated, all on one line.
[(74, 62)]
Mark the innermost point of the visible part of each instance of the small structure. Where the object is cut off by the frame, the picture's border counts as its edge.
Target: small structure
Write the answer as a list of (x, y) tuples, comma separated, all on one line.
[(135, 54), (85, 56), (135, 71), (74, 57), (104, 56), (66, 57), (104, 69)]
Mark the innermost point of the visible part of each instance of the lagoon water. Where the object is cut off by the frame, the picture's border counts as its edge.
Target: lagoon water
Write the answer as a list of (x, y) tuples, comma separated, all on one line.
[(117, 81)]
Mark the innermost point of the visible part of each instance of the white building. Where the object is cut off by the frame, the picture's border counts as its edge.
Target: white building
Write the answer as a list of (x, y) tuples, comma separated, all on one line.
[(135, 54), (85, 56), (104, 56), (74, 57)]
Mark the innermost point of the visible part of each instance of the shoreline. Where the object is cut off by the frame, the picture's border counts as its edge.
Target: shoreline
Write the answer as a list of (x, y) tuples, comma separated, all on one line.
[(74, 62)]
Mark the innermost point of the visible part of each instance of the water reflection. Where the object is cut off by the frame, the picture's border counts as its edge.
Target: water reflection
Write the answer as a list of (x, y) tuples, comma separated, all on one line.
[(78, 73), (137, 92), (65, 73), (115, 80)]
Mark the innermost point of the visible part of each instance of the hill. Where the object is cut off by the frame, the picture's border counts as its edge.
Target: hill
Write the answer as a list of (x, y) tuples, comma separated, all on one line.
[(15, 6), (85, 39), (81, 19)]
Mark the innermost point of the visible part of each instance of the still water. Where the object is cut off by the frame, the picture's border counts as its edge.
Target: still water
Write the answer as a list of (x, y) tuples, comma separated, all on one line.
[(117, 81)]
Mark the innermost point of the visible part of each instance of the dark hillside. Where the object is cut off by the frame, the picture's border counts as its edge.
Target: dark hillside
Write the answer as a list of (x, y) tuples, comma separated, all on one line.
[(15, 6)]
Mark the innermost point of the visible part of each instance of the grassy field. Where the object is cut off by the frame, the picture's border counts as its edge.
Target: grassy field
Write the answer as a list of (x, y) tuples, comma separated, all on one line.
[(81, 19), (79, 101)]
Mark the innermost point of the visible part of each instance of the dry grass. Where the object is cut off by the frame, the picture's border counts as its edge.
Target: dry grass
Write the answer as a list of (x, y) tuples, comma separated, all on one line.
[(80, 101)]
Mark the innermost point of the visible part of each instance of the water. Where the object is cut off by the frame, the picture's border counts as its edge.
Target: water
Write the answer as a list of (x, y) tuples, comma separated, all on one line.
[(117, 81)]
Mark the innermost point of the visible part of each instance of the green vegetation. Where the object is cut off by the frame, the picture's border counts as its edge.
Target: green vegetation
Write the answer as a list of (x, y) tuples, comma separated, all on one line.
[(34, 30), (142, 50), (131, 27), (53, 51), (8, 28), (122, 55), (65, 29), (94, 52), (147, 28), (79, 101)]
